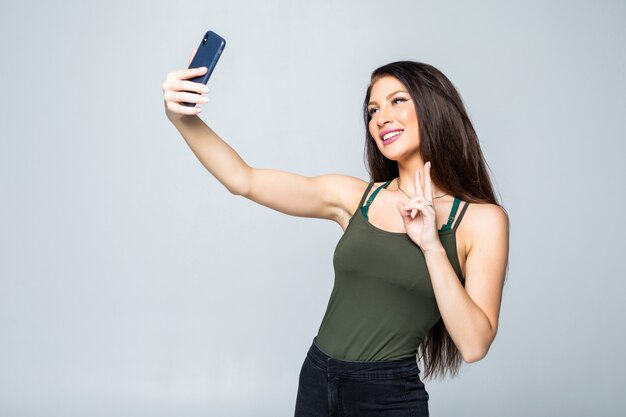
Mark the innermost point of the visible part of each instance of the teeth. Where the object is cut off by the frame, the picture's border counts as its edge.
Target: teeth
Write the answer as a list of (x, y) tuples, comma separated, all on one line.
[(391, 134)]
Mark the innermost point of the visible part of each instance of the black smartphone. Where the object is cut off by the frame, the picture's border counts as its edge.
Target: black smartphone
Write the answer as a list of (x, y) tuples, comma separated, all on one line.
[(207, 55)]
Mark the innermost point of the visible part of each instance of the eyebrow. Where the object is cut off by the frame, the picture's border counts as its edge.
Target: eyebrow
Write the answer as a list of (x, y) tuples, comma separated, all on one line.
[(399, 91)]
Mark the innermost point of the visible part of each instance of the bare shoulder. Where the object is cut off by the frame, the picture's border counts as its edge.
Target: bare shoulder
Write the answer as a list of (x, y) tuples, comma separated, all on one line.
[(484, 221)]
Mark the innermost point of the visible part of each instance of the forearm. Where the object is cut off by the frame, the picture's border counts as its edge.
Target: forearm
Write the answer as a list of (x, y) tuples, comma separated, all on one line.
[(215, 155), (466, 323)]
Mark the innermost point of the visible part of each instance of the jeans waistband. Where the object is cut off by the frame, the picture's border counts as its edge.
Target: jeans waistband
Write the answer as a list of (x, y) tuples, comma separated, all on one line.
[(396, 368)]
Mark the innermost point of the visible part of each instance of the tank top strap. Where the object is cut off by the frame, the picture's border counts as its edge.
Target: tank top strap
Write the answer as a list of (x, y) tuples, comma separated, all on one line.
[(365, 208), (456, 225), (455, 206), (367, 190)]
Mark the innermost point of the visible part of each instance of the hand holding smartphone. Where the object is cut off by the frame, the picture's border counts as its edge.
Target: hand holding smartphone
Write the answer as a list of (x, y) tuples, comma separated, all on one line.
[(207, 55)]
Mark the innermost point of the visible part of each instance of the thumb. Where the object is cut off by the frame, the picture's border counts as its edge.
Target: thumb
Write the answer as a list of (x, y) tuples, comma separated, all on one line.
[(193, 53)]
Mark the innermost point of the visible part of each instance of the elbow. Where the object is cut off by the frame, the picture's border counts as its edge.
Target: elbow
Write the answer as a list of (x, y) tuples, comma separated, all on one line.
[(474, 356), (240, 184), (479, 348), (475, 353), (236, 191)]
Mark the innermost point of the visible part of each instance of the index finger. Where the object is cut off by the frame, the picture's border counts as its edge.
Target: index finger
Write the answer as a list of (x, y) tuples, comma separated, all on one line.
[(428, 190), (187, 73), (418, 183)]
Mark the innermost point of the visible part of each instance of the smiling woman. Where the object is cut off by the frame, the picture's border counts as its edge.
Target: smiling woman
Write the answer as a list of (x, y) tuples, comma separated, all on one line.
[(405, 290), (397, 102), (436, 128)]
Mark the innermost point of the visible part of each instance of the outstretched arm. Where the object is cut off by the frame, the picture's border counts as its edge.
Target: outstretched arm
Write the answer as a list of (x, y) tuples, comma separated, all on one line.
[(325, 196)]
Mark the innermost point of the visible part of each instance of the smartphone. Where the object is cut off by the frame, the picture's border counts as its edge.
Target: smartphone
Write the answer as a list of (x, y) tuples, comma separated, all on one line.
[(207, 55)]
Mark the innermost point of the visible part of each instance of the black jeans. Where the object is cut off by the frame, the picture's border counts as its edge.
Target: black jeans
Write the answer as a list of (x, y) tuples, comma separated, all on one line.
[(330, 387)]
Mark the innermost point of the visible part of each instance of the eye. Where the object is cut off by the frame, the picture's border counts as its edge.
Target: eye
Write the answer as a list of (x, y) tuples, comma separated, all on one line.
[(371, 110)]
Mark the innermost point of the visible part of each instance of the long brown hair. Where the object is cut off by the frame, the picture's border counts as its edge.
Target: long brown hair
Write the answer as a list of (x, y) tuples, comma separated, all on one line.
[(458, 167)]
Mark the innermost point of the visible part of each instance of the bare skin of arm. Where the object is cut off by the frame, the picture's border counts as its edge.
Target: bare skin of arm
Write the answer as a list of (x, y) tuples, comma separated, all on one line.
[(328, 196), (325, 196)]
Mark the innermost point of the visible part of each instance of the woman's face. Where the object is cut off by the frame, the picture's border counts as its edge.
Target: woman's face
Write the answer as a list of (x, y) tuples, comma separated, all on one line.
[(391, 109)]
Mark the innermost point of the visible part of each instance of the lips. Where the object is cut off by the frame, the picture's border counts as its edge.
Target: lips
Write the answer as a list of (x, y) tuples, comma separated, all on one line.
[(385, 132)]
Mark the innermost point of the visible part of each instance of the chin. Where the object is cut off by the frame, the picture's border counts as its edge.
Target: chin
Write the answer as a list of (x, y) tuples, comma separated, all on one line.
[(397, 152)]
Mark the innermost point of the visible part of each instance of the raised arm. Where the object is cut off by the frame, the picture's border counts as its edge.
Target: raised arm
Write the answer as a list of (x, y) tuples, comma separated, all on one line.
[(329, 196)]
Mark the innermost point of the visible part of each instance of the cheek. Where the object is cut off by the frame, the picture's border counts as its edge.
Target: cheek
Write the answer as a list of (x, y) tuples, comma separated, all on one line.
[(409, 117), (371, 128)]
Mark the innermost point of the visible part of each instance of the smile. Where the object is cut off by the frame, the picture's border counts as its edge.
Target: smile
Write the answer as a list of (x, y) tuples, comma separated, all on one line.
[(391, 137)]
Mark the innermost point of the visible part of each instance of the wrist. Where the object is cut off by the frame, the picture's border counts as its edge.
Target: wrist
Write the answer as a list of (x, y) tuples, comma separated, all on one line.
[(178, 118), (435, 250)]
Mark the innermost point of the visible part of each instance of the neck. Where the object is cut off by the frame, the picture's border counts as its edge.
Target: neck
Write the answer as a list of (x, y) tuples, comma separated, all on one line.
[(406, 180)]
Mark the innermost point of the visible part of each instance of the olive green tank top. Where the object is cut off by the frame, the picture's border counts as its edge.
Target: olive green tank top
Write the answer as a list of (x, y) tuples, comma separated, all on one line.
[(382, 303)]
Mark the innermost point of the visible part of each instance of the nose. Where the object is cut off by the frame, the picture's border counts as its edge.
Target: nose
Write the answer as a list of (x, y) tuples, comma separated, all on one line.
[(383, 116)]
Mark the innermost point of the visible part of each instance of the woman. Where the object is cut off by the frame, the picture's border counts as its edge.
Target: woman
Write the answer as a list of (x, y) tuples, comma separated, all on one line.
[(405, 290)]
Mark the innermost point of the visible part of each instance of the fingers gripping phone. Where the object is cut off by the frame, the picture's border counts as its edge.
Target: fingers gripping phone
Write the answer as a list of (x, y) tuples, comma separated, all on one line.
[(207, 55)]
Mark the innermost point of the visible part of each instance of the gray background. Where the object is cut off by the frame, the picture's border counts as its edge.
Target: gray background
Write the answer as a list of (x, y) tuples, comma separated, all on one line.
[(134, 284)]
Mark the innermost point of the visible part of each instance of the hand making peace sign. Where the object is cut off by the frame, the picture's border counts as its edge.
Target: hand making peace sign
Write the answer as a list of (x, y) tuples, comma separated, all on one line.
[(419, 214)]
